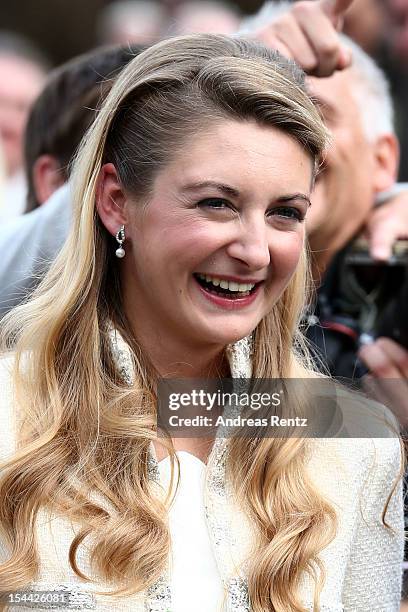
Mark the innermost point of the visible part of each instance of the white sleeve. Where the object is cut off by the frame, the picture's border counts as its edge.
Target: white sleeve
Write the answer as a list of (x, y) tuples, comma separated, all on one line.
[(374, 572)]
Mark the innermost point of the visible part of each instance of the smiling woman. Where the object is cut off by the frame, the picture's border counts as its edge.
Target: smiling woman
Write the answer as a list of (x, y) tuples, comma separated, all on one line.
[(201, 164), (225, 214)]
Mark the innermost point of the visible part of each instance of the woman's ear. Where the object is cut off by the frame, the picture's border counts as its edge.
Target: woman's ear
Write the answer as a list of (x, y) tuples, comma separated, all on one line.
[(110, 199)]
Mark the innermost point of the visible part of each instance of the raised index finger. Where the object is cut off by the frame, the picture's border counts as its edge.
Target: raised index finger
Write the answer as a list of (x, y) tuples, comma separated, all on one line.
[(335, 9)]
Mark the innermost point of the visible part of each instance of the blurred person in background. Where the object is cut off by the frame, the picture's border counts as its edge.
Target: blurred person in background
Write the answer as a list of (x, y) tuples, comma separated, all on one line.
[(206, 16), (22, 76), (58, 120), (362, 159), (61, 115), (360, 165), (132, 21)]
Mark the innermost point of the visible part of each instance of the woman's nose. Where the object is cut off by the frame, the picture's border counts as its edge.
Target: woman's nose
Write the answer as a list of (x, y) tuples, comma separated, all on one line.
[(251, 246)]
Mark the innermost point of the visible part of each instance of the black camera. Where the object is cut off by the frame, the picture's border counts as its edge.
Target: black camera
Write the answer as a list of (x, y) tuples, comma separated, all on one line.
[(393, 322), (359, 300)]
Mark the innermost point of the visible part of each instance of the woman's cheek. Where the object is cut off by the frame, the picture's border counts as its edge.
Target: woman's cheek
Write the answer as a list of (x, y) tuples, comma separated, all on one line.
[(287, 254)]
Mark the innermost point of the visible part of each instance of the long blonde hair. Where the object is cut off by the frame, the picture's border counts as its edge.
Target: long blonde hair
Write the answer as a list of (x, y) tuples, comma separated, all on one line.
[(85, 430)]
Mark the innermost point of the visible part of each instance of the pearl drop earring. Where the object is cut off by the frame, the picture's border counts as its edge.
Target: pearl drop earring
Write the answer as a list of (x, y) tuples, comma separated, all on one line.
[(120, 237)]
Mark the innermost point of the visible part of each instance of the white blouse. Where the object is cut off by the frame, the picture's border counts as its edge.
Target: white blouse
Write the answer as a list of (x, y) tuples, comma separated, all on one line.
[(194, 573)]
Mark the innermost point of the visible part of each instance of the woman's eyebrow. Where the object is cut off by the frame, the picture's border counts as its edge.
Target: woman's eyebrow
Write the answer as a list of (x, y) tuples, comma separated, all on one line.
[(226, 189), (294, 196)]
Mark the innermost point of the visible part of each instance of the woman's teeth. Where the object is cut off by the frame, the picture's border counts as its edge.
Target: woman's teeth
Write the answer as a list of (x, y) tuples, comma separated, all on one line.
[(228, 285)]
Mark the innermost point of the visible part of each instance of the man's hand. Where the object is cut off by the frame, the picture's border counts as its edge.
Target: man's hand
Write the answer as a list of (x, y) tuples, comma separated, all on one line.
[(388, 378), (307, 33), (386, 224)]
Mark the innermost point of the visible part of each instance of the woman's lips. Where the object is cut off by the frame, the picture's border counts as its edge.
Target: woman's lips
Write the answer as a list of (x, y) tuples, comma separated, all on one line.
[(233, 302)]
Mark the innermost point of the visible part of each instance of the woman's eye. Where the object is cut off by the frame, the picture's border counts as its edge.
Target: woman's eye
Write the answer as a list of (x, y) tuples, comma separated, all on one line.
[(217, 203), (287, 212)]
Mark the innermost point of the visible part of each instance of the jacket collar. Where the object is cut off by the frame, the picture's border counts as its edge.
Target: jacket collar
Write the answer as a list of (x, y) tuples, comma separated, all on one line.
[(238, 354)]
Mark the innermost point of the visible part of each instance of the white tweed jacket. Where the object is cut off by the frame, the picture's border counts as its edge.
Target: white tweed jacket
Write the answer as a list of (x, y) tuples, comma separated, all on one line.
[(363, 562)]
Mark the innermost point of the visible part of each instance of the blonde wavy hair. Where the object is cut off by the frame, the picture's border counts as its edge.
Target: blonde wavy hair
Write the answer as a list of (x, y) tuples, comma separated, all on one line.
[(85, 432)]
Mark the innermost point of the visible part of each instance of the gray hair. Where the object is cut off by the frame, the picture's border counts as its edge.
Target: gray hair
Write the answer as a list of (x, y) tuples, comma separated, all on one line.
[(372, 92), (371, 88)]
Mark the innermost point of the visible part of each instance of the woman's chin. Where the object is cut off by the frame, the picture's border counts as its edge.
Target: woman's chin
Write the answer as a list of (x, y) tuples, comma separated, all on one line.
[(220, 327), (225, 336)]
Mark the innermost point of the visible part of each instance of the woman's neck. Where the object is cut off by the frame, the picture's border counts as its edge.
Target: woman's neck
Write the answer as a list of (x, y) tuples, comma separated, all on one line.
[(173, 359)]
